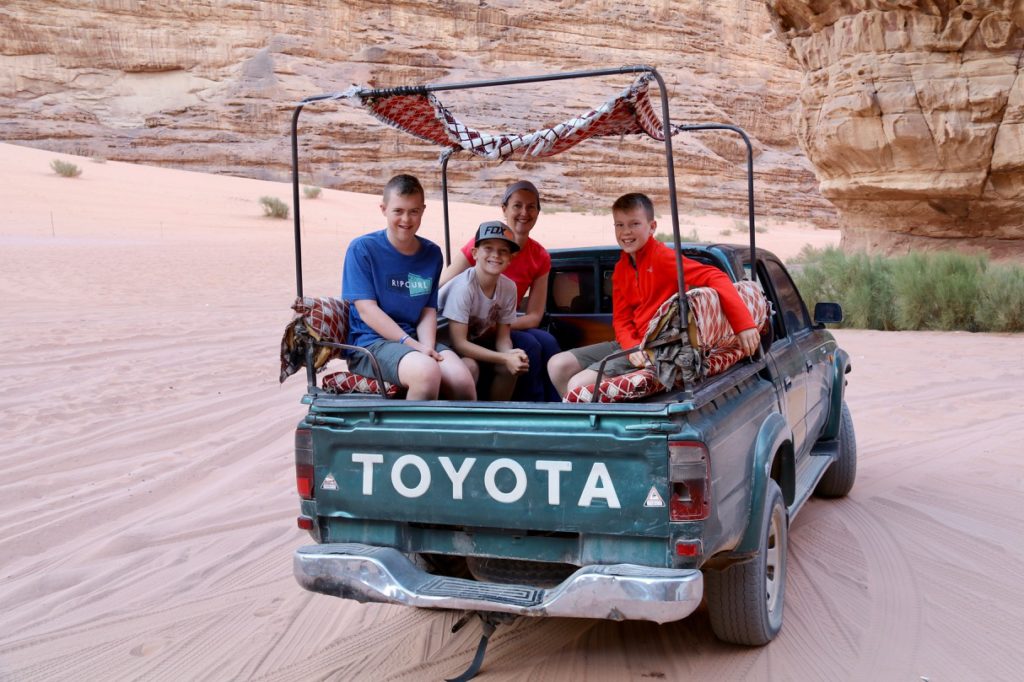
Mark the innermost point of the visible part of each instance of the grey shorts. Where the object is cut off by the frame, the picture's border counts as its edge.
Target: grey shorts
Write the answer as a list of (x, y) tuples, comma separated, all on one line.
[(590, 357), (388, 354)]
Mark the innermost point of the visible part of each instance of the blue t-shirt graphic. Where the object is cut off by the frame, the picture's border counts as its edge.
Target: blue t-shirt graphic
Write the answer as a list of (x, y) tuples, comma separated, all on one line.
[(402, 285)]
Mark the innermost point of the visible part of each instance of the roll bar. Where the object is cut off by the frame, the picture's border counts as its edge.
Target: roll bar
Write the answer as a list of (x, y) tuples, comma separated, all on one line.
[(667, 125)]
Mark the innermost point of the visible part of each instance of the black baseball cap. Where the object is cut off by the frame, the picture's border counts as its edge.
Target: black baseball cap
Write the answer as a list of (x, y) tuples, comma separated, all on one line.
[(495, 229)]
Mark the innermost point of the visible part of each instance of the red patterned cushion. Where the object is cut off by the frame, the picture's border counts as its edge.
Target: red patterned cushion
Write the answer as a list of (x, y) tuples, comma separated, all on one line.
[(717, 345), (630, 386), (713, 328), (325, 318), (721, 359), (347, 382)]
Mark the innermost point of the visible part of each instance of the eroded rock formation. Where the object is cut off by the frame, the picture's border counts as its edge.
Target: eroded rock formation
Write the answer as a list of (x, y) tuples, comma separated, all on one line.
[(210, 84), (912, 112)]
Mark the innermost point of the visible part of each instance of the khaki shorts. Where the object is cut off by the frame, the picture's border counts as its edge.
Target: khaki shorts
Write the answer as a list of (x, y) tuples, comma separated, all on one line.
[(590, 357)]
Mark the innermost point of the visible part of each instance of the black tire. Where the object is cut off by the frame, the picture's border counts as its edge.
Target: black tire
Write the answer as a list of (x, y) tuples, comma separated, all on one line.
[(745, 601), (840, 475)]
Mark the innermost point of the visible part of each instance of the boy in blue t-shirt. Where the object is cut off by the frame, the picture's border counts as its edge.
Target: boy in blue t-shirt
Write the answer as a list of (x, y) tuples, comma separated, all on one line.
[(391, 277)]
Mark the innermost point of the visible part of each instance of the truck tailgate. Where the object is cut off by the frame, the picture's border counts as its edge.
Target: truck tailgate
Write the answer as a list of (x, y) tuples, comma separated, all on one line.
[(559, 470)]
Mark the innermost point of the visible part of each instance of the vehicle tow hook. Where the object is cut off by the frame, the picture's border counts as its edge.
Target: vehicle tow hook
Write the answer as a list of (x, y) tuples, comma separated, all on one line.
[(490, 622)]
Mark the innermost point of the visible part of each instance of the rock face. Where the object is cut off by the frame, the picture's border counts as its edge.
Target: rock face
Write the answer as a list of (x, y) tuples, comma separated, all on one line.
[(912, 112), (210, 85)]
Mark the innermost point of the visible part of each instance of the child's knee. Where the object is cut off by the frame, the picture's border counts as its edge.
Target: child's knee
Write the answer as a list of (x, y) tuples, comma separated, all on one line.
[(584, 378), (474, 368), (563, 364), (457, 378), (418, 369)]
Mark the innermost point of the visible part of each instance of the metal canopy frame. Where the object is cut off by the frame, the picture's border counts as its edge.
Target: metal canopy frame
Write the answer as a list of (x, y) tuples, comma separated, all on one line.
[(667, 127)]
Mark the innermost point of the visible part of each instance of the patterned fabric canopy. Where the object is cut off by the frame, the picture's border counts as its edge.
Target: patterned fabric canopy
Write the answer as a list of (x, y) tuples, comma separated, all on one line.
[(425, 117)]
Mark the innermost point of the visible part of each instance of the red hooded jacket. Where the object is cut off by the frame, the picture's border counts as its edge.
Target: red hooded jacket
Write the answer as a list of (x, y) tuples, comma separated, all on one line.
[(638, 291)]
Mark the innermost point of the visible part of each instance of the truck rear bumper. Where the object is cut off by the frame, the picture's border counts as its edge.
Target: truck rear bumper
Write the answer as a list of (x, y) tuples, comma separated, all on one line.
[(382, 574)]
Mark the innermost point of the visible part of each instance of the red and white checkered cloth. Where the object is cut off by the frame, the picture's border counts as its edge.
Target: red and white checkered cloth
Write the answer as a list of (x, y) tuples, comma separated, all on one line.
[(424, 116), (324, 319), (717, 345), (347, 382)]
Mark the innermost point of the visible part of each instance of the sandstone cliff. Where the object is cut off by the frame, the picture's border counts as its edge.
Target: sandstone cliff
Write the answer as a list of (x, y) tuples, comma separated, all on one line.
[(210, 84), (912, 112)]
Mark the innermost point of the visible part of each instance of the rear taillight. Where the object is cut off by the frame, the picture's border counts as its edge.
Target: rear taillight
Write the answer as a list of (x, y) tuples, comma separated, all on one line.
[(304, 463), (689, 476)]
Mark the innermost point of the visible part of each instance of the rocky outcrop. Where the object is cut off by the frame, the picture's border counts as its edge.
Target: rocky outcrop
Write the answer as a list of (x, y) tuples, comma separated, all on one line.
[(210, 85), (912, 112)]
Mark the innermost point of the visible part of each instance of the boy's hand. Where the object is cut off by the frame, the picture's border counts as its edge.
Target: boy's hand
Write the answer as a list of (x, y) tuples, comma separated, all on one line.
[(425, 349), (749, 340), (516, 361), (639, 359)]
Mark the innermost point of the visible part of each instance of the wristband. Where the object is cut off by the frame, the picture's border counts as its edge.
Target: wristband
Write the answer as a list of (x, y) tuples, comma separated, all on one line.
[(403, 339)]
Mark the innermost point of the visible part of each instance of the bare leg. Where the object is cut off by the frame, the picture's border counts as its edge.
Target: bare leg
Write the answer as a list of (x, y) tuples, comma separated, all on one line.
[(422, 375), (503, 383), (561, 368), (473, 367), (582, 378), (456, 381)]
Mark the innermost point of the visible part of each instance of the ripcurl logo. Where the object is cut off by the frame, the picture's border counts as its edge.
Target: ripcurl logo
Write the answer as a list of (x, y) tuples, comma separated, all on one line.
[(413, 283)]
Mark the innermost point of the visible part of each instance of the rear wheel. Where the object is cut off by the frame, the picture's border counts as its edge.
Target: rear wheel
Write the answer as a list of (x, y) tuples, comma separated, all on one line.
[(745, 600), (840, 475)]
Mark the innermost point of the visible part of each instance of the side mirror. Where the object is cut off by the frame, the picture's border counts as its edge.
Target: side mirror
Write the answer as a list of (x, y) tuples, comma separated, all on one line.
[(828, 313)]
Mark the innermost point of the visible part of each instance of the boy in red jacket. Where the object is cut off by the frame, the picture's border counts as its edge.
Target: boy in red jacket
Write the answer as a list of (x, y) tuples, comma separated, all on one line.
[(644, 278)]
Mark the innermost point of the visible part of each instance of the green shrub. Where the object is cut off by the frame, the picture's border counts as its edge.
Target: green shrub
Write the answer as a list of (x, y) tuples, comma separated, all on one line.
[(311, 192), (941, 291), (937, 291), (1001, 301), (861, 283), (274, 207), (666, 237), (65, 169)]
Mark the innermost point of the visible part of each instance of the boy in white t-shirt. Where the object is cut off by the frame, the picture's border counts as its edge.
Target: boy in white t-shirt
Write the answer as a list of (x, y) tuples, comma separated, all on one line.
[(480, 304)]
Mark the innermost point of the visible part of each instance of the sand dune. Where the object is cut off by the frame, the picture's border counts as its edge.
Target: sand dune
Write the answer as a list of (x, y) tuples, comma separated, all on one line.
[(148, 496)]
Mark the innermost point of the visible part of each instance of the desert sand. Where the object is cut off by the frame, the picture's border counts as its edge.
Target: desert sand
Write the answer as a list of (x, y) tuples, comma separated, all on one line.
[(148, 503)]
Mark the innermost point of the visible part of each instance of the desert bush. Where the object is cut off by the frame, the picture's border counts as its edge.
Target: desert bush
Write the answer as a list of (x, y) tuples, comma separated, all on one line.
[(861, 283), (666, 237), (311, 192), (940, 291), (65, 169), (274, 207), (937, 291), (1001, 301)]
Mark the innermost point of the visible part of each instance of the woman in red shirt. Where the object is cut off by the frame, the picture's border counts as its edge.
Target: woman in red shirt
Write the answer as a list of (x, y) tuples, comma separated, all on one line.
[(529, 270)]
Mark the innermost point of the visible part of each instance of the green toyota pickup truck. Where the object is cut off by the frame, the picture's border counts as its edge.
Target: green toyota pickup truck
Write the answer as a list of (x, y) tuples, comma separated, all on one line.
[(621, 511), (616, 510)]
